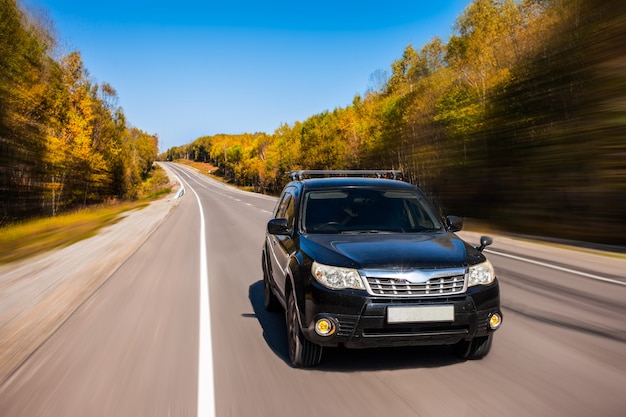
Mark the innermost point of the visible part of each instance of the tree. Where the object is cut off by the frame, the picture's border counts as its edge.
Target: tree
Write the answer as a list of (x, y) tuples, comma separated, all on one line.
[(24, 67)]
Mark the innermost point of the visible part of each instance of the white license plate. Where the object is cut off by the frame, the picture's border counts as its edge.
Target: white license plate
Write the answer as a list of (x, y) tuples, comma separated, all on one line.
[(420, 314)]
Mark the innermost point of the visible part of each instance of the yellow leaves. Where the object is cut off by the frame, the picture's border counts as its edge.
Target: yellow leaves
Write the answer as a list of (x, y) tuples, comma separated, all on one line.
[(86, 151), (62, 135)]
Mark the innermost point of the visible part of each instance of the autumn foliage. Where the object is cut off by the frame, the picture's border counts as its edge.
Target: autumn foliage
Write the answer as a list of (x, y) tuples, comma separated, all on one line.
[(64, 142), (517, 120)]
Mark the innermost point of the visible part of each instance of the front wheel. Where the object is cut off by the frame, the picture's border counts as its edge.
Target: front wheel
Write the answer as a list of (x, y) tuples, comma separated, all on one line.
[(476, 348), (302, 352)]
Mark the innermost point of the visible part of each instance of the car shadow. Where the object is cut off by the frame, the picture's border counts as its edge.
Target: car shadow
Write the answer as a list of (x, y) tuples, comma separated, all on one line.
[(273, 324), (348, 360)]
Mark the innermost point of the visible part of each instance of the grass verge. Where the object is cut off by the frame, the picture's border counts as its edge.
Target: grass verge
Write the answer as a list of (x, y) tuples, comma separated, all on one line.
[(36, 236), (32, 237)]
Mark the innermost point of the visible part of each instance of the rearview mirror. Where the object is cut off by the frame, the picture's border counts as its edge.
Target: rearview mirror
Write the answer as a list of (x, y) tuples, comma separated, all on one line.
[(484, 242), (454, 223), (278, 227)]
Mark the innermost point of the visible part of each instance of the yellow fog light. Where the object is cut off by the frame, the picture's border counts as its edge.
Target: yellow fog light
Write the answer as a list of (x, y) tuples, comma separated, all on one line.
[(324, 327), (495, 321)]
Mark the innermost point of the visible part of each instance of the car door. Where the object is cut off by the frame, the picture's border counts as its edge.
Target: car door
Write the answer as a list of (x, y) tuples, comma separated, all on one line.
[(282, 246)]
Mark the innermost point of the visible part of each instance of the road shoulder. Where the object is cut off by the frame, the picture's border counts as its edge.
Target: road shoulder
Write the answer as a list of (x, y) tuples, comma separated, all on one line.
[(38, 294)]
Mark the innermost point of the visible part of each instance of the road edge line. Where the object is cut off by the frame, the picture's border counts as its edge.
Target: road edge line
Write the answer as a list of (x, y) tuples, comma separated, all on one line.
[(206, 390)]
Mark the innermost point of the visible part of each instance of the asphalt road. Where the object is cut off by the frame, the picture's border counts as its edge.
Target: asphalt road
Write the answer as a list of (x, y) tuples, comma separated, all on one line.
[(132, 347)]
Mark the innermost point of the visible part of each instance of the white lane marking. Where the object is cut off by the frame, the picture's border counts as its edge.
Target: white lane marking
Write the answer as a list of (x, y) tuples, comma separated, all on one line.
[(559, 268), (180, 192), (206, 391)]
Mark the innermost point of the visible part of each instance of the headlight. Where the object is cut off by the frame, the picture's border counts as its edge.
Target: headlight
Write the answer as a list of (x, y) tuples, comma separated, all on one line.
[(481, 274), (337, 278)]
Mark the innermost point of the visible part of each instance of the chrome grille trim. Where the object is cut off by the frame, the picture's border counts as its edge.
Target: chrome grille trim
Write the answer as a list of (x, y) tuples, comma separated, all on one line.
[(435, 283)]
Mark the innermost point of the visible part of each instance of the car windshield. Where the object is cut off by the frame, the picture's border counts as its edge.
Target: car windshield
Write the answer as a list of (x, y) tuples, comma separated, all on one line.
[(359, 210)]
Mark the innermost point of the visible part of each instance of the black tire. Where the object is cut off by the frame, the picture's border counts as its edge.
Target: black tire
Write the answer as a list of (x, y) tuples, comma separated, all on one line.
[(481, 346), (476, 348), (270, 301), (302, 352), (462, 349)]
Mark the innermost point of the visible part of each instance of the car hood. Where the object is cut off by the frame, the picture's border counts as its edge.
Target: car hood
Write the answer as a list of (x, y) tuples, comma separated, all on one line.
[(394, 250)]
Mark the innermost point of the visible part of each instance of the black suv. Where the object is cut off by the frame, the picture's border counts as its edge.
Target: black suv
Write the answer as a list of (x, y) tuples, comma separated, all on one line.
[(367, 262)]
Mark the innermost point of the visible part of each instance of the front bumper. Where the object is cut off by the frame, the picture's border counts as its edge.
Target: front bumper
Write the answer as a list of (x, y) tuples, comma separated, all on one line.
[(361, 319)]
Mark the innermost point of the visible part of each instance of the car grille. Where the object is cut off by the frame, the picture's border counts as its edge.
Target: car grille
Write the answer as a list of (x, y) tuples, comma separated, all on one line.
[(438, 286)]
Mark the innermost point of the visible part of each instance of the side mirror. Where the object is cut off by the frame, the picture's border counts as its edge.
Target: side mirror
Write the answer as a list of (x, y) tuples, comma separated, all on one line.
[(454, 223), (484, 242), (278, 227)]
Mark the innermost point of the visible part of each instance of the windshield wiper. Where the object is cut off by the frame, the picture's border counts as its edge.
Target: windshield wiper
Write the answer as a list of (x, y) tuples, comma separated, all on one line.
[(362, 232)]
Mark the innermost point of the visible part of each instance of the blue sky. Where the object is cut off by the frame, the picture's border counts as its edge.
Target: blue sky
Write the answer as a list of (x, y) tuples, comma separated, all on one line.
[(190, 68)]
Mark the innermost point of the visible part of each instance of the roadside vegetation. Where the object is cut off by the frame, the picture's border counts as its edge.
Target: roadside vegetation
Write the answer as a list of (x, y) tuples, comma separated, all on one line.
[(32, 237), (64, 142), (69, 162), (516, 121)]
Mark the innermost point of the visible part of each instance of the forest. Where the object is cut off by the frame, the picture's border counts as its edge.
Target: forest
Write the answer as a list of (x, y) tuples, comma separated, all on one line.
[(517, 121), (64, 141)]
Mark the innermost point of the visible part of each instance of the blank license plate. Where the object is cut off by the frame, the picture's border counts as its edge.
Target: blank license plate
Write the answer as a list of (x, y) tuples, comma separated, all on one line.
[(420, 314)]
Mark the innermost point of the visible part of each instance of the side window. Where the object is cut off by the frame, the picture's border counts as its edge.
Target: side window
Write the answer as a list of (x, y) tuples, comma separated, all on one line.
[(281, 208), (290, 213), (286, 209)]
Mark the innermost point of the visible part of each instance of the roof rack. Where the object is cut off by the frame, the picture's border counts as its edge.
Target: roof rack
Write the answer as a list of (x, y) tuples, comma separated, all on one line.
[(378, 173)]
